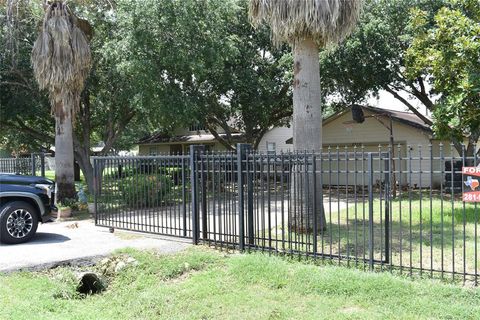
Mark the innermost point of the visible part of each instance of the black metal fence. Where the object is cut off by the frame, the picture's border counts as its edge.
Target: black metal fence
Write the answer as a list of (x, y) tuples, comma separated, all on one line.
[(148, 194), (398, 210), (29, 165)]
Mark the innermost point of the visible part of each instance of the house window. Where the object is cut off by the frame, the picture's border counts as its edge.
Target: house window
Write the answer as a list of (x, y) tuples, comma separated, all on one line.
[(271, 147), (208, 147), (152, 151), (176, 149), (196, 127)]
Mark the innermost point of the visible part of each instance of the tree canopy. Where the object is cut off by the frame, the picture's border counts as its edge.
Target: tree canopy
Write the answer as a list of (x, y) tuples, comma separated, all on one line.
[(153, 67), (105, 107), (379, 56), (213, 68), (156, 67), (446, 50)]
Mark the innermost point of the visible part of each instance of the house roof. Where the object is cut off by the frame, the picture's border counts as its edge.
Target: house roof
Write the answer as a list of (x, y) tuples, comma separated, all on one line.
[(407, 118), (161, 137), (404, 117)]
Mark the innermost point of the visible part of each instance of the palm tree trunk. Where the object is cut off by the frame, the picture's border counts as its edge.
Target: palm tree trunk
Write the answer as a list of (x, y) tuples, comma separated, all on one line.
[(64, 174), (307, 135), (307, 109)]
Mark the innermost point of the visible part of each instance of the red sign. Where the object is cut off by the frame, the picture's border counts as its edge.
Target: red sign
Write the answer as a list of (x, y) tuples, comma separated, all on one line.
[(471, 179)]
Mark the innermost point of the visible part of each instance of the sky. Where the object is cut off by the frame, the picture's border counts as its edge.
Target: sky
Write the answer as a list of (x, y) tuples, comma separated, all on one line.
[(387, 101)]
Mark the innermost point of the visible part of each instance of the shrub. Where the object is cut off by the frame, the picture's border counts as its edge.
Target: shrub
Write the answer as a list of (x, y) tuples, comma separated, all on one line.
[(151, 167), (69, 203), (146, 190)]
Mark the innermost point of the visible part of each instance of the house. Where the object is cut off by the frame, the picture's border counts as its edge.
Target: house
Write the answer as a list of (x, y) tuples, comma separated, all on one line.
[(339, 130), (412, 138), (179, 142), (414, 143)]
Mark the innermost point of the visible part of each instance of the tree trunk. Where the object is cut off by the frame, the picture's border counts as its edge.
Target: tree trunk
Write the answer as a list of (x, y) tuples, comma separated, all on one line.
[(83, 159), (307, 136), (307, 109), (470, 151), (81, 141), (64, 176)]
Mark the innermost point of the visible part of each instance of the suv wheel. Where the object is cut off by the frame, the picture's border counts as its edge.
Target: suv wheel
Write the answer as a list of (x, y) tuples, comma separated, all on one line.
[(18, 222)]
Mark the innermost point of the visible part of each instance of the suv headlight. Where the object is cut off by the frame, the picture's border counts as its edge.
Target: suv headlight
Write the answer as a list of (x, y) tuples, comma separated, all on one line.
[(47, 188)]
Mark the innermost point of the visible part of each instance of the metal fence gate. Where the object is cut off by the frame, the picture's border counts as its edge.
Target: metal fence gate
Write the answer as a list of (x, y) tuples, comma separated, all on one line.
[(31, 165), (367, 209), (147, 194)]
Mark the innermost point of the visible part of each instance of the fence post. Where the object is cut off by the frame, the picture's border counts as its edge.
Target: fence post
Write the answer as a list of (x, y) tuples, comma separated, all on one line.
[(96, 187), (42, 164), (34, 169), (203, 188), (184, 198), (194, 156), (241, 156), (370, 210), (387, 210), (315, 204), (251, 230)]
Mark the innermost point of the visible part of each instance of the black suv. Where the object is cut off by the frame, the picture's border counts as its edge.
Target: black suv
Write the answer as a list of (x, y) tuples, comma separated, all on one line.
[(24, 201)]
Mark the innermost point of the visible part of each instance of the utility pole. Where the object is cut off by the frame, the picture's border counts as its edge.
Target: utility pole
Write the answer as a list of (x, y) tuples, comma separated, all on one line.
[(358, 117), (392, 149)]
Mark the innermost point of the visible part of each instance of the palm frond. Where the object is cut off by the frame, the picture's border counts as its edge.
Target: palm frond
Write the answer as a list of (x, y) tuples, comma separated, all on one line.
[(61, 57), (326, 21)]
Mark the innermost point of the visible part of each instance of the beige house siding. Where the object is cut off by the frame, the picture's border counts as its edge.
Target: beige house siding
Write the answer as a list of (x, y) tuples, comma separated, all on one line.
[(371, 132), (153, 149), (413, 142), (279, 136), (412, 145), (374, 137), (164, 148)]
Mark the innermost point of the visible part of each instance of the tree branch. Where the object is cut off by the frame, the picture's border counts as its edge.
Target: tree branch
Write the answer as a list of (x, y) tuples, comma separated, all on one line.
[(422, 85), (13, 83), (273, 120), (258, 137), (410, 107), (223, 141), (38, 135), (422, 96), (116, 132), (283, 91)]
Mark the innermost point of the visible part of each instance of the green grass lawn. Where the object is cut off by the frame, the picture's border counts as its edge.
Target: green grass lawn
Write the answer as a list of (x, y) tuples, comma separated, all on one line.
[(50, 174), (206, 284), (427, 234)]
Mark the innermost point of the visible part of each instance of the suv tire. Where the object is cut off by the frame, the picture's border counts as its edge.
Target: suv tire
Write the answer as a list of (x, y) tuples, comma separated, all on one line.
[(18, 222)]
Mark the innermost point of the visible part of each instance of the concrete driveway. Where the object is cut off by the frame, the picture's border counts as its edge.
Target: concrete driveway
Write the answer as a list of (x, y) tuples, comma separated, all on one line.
[(77, 242)]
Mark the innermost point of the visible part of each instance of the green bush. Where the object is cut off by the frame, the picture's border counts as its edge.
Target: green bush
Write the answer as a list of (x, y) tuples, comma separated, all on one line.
[(145, 168), (69, 203), (146, 190)]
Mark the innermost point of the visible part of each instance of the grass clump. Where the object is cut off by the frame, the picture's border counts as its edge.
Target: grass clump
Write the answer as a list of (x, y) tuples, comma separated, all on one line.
[(204, 284)]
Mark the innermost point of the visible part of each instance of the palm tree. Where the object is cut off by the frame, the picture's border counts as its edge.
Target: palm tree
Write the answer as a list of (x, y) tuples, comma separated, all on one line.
[(307, 25), (61, 63)]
